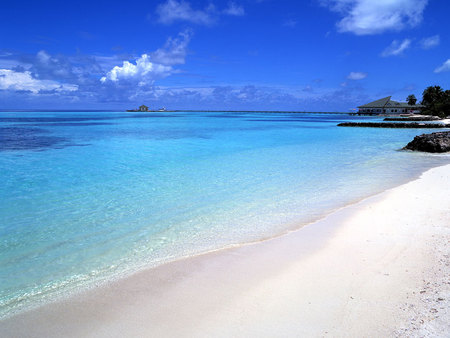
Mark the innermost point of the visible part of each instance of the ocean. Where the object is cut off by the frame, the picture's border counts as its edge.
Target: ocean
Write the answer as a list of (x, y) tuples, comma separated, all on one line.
[(86, 197)]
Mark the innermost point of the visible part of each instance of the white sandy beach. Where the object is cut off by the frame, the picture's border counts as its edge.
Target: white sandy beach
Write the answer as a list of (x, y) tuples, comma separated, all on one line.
[(377, 268)]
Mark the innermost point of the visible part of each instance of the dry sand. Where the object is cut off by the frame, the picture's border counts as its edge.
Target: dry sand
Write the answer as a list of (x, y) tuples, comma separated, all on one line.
[(374, 269)]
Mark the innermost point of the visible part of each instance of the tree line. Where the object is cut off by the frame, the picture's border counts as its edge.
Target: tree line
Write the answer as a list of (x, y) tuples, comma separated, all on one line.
[(435, 100)]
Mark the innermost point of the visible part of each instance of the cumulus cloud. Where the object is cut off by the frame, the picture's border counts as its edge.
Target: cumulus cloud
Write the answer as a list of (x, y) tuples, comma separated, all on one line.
[(44, 75), (356, 76), (76, 69), (78, 76), (174, 10), (149, 67), (430, 42), (143, 71), (24, 81), (445, 67), (365, 17), (396, 48)]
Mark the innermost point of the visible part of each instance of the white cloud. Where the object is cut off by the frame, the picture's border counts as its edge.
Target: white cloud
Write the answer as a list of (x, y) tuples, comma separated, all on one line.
[(152, 66), (356, 76), (445, 67), (54, 66), (43, 56), (6, 63), (181, 10), (23, 81), (364, 17), (174, 50), (234, 9), (144, 71), (258, 97), (396, 48), (174, 10), (430, 42)]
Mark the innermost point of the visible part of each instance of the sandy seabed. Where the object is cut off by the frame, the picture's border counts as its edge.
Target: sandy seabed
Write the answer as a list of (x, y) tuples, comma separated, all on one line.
[(378, 268)]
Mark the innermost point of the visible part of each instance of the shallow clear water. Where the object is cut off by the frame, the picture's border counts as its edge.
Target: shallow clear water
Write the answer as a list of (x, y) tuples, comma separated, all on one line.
[(89, 196)]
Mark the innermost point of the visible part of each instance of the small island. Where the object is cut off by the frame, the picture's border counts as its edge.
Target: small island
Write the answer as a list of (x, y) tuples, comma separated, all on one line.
[(144, 108)]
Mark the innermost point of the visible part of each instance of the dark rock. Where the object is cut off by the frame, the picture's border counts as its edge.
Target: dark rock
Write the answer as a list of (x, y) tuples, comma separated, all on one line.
[(393, 125), (413, 118), (431, 143)]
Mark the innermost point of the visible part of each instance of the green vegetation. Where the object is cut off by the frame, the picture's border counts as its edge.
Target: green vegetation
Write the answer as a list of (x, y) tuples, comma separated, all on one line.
[(436, 101), (411, 99)]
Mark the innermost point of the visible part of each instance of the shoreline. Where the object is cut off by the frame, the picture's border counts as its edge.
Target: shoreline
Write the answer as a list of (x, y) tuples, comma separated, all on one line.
[(397, 125), (234, 281), (104, 281)]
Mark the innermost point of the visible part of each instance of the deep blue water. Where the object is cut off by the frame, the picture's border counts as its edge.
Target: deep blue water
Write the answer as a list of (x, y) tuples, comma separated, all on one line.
[(89, 196)]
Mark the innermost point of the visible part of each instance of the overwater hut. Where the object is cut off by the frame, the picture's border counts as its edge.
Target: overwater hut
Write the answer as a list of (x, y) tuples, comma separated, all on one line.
[(388, 106)]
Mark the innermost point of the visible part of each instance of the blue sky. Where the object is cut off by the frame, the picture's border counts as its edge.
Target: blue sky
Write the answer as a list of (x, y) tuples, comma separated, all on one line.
[(313, 55)]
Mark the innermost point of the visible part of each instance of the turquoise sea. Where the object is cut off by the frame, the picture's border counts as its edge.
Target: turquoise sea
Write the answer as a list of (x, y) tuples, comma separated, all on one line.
[(90, 196)]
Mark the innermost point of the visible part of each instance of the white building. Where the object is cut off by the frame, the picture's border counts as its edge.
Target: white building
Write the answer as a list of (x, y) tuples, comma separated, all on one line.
[(388, 106)]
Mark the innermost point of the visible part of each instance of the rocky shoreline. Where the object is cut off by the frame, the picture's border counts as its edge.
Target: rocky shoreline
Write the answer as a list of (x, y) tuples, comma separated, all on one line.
[(431, 143)]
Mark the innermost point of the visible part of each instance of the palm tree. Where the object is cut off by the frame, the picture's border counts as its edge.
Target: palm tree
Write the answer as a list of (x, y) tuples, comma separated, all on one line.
[(431, 95), (411, 99), (436, 101)]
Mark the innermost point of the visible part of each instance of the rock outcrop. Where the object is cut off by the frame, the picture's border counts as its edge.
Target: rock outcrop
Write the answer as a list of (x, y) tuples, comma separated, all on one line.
[(431, 143)]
